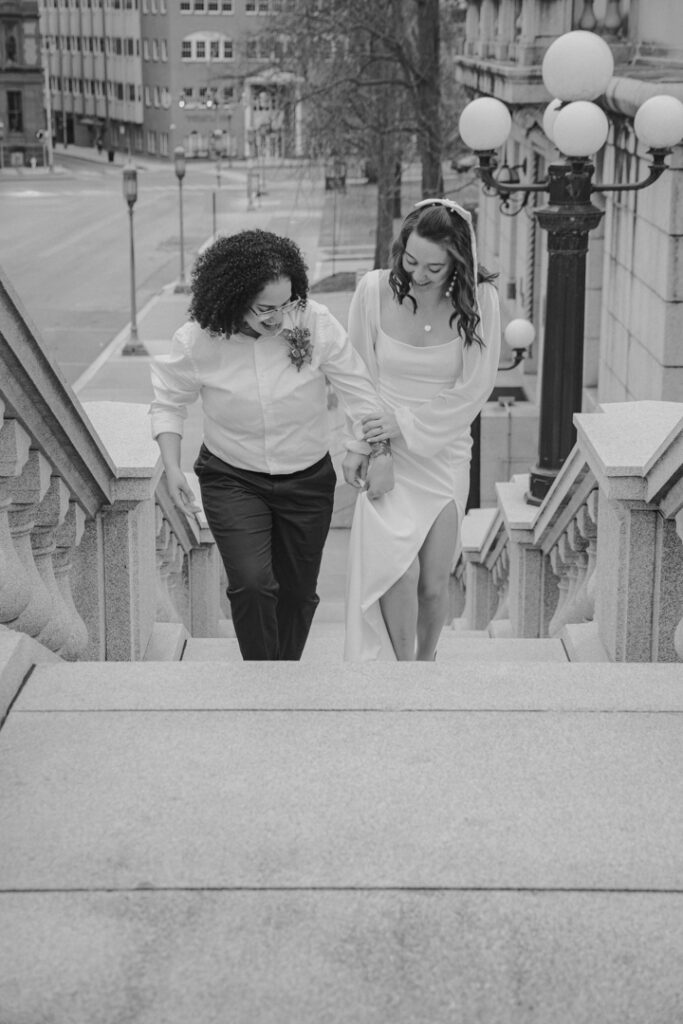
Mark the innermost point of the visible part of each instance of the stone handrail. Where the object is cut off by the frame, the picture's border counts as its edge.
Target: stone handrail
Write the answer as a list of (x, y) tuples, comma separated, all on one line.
[(600, 563), (93, 555)]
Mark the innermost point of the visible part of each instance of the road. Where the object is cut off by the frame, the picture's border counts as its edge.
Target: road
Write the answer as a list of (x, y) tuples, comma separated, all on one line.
[(64, 245)]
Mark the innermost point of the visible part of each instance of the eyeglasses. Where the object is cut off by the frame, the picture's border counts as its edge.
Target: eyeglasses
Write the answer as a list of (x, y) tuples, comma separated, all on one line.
[(271, 315)]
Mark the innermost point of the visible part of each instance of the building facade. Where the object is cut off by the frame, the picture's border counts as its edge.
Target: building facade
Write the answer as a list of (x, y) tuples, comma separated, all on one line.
[(21, 84), (633, 345), (150, 75)]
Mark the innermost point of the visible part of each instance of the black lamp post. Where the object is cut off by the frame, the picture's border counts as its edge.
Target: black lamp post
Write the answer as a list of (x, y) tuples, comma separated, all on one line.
[(179, 164), (576, 68), (133, 346)]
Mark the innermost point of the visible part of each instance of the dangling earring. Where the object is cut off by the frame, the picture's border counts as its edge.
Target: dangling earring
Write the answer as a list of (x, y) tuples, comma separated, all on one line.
[(451, 283)]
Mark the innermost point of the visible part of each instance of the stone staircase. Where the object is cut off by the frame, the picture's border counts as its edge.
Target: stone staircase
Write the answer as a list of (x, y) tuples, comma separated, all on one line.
[(495, 838)]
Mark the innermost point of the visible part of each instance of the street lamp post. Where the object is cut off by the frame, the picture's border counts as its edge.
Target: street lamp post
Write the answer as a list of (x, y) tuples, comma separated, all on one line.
[(133, 346), (576, 69), (179, 164)]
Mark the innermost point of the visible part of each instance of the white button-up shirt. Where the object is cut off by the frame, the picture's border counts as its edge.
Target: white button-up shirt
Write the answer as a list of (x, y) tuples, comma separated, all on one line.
[(260, 412)]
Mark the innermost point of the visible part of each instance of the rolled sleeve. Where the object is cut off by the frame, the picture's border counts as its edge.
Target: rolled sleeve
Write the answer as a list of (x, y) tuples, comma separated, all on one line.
[(176, 385)]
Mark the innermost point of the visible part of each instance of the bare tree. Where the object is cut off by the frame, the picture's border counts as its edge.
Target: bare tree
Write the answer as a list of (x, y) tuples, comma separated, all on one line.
[(369, 85)]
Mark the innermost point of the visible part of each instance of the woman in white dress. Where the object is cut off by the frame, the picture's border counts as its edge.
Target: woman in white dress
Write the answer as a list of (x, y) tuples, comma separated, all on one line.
[(429, 332)]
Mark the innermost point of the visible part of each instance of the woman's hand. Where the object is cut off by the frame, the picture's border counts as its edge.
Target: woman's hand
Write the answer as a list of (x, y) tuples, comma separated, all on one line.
[(380, 478), (180, 491), (355, 469), (380, 427)]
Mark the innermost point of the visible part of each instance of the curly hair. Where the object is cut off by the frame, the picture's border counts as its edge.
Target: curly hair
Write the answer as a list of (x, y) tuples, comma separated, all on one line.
[(230, 273), (451, 231)]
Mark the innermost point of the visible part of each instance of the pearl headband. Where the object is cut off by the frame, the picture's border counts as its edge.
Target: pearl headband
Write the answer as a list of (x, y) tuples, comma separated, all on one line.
[(454, 207)]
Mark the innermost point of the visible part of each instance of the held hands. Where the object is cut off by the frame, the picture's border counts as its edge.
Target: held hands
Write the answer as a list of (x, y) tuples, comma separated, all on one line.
[(180, 491), (374, 475), (380, 478), (380, 427)]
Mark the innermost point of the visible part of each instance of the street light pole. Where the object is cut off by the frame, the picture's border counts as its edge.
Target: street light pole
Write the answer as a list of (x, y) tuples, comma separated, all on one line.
[(179, 164), (577, 128), (133, 346)]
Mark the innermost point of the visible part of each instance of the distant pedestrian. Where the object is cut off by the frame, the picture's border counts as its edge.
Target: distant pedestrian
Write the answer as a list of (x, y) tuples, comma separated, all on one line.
[(429, 331), (258, 351), (99, 144)]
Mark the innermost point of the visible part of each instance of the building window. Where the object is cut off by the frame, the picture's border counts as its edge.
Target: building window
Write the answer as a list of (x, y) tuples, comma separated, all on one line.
[(153, 6), (148, 97), (214, 49), (164, 49), (155, 49), (162, 6), (228, 49), (144, 6), (200, 49), (185, 7), (131, 93), (250, 7), (198, 6), (145, 49), (157, 100), (151, 142), (212, 6), (226, 6), (163, 143), (186, 49), (252, 50)]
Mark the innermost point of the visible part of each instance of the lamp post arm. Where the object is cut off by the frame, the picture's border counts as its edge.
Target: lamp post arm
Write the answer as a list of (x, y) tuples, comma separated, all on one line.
[(657, 168), (485, 169)]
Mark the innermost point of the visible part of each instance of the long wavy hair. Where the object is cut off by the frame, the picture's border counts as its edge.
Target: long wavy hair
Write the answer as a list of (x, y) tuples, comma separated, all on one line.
[(448, 229), (229, 275)]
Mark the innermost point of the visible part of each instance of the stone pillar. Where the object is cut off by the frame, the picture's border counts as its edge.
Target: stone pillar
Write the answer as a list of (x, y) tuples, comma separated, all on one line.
[(204, 569)]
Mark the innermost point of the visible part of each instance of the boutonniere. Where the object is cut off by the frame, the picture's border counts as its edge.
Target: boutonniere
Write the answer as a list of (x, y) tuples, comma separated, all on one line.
[(300, 346)]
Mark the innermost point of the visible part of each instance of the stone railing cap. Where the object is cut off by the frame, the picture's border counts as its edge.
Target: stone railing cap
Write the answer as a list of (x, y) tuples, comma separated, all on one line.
[(124, 430), (627, 438)]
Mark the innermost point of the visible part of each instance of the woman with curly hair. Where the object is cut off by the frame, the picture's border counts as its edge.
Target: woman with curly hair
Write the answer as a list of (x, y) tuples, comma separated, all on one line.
[(429, 331), (258, 352)]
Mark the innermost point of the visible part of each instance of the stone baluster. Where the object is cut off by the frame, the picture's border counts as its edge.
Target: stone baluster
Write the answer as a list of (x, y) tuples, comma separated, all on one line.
[(487, 28), (613, 20), (15, 587), (587, 20), (49, 517), (499, 625), (472, 27), (166, 551), (560, 568), (587, 525), (505, 31), (27, 494), (67, 538), (178, 585)]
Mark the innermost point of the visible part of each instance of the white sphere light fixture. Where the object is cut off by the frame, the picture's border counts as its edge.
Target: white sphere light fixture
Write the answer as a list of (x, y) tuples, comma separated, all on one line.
[(484, 124), (519, 334), (549, 115), (577, 66), (659, 122), (580, 129)]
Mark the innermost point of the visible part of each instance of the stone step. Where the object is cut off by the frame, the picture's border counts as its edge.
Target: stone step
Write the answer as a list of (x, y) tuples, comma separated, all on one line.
[(326, 646), (281, 842)]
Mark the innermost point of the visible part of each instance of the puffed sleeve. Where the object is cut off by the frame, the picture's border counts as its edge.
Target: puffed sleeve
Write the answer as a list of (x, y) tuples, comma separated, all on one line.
[(362, 334), (176, 385), (429, 427)]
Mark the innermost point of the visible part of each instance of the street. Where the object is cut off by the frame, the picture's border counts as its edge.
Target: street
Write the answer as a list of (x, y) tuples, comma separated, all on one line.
[(64, 245)]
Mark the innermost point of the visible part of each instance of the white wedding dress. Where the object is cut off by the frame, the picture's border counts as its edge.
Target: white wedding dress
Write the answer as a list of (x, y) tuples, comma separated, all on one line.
[(431, 463)]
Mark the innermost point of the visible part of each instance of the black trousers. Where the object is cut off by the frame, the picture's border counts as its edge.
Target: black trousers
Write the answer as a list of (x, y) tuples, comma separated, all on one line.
[(270, 531)]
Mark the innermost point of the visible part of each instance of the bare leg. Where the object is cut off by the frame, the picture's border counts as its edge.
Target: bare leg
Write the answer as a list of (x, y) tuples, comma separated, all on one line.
[(399, 609), (436, 555)]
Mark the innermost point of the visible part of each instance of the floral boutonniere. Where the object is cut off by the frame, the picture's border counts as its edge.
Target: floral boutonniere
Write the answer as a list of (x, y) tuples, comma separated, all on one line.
[(300, 346)]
